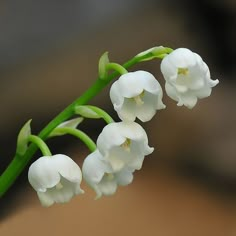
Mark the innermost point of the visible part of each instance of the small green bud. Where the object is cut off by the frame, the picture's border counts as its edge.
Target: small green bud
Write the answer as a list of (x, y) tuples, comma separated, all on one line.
[(93, 112), (87, 112), (73, 123), (103, 61), (155, 52)]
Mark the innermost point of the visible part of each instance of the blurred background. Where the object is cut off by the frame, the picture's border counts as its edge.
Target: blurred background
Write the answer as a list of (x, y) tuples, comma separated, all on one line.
[(48, 56)]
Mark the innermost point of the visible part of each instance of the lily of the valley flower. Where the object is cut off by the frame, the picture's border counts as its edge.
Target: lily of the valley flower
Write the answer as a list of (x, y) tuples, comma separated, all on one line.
[(100, 176), (55, 178), (123, 145), (187, 77), (136, 94)]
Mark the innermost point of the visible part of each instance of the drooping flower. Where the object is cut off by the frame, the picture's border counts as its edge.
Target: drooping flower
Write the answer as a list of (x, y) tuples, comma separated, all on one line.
[(187, 77), (100, 176), (55, 178), (123, 145), (136, 94)]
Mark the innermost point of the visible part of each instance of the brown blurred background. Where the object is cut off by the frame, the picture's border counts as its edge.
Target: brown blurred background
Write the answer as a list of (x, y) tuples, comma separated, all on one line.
[(48, 56)]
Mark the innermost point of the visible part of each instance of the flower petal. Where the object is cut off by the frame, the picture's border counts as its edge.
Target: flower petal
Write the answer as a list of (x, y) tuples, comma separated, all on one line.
[(124, 177), (189, 101), (42, 174), (107, 187), (171, 91), (67, 168), (64, 194), (145, 113), (182, 58), (168, 70), (127, 111), (45, 199), (130, 84), (115, 95), (94, 168)]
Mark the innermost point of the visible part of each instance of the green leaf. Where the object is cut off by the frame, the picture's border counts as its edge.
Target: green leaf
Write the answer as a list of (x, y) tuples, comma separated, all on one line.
[(22, 139)]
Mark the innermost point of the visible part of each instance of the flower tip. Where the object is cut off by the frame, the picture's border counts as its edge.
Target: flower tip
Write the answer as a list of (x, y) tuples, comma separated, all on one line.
[(180, 104), (162, 106), (46, 205), (80, 191), (215, 82), (189, 107), (151, 150)]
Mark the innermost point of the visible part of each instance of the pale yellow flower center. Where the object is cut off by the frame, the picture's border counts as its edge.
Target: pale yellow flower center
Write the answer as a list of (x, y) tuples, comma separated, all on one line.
[(59, 186), (126, 145), (109, 176), (138, 99), (183, 71)]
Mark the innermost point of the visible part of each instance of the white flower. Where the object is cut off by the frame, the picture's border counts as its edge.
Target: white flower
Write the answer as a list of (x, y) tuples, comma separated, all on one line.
[(136, 94), (55, 178), (100, 176), (187, 77), (123, 145)]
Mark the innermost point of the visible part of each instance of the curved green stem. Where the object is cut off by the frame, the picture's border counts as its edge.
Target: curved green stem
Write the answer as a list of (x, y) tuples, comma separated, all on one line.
[(116, 67), (81, 135), (19, 162), (40, 144)]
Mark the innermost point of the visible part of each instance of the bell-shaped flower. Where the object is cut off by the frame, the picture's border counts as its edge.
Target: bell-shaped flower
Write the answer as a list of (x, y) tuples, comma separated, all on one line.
[(55, 178), (136, 94), (123, 145), (100, 176), (187, 77)]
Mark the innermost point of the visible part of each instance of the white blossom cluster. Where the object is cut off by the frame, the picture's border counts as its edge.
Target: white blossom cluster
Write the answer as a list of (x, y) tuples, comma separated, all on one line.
[(122, 146)]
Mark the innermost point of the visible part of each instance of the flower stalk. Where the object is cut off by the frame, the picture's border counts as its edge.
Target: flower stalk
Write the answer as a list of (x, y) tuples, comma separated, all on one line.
[(78, 134), (116, 67), (40, 144), (20, 161)]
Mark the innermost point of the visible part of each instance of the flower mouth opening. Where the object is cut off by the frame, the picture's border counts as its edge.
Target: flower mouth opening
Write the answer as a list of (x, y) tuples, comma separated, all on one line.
[(59, 186), (126, 145), (183, 71), (109, 176)]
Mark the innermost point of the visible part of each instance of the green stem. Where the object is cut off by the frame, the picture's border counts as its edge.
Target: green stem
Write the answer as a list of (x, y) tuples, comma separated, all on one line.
[(116, 67), (40, 144), (19, 162), (81, 135), (104, 115)]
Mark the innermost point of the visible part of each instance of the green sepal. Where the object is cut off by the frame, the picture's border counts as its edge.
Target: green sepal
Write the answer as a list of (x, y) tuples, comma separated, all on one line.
[(73, 123), (103, 61), (22, 139), (155, 52)]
